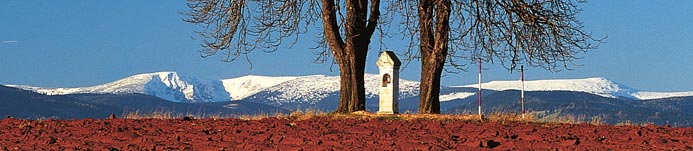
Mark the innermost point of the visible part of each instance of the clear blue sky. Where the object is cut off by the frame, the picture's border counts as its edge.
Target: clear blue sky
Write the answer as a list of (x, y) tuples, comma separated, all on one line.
[(83, 43)]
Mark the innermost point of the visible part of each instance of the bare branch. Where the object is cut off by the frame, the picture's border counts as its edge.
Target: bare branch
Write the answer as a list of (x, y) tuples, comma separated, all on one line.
[(539, 33), (238, 27)]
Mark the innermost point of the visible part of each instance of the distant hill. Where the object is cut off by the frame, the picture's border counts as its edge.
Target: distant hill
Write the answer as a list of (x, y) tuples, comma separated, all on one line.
[(585, 106), (27, 104), (124, 103), (31, 105)]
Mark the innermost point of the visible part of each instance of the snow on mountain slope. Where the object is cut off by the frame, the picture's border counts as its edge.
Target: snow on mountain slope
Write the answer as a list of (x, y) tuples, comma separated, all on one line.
[(242, 87), (313, 88), (455, 95), (407, 88), (643, 95), (167, 85), (598, 86)]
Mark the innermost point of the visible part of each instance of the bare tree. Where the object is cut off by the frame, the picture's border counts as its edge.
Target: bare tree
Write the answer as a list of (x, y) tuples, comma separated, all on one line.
[(539, 33), (238, 27)]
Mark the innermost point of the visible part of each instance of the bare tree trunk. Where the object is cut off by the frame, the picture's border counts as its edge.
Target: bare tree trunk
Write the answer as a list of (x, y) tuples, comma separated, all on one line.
[(350, 52), (434, 50), (352, 92)]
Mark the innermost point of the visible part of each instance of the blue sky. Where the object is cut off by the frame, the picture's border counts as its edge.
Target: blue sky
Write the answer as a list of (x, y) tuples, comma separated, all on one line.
[(83, 43)]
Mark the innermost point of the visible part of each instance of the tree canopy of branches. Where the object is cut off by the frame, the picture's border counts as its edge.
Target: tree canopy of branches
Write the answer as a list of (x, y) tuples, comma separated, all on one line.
[(539, 33), (238, 27)]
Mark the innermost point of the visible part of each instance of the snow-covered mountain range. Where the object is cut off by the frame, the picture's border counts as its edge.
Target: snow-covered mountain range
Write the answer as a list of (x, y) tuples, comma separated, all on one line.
[(166, 85), (598, 86), (175, 87), (252, 94)]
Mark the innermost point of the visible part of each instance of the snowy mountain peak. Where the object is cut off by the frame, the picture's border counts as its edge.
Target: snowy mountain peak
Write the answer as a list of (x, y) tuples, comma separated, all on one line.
[(167, 85)]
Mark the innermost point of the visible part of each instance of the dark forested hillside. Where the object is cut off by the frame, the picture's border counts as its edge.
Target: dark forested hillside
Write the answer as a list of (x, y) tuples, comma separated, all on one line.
[(31, 105)]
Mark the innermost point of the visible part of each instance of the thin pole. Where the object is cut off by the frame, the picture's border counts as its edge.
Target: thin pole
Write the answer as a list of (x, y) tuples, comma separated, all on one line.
[(479, 92), (522, 79)]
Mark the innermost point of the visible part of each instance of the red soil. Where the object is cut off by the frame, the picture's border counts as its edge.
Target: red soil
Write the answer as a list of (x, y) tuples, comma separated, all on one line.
[(324, 133)]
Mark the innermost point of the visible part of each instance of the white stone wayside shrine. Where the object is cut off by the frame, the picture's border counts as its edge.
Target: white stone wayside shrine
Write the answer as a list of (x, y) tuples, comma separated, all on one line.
[(388, 63)]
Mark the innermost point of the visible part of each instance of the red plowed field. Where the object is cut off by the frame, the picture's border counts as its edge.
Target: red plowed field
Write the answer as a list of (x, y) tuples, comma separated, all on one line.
[(325, 133)]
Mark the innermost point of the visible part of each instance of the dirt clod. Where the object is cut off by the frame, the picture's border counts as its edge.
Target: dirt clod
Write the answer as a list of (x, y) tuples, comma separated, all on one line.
[(188, 118), (492, 144)]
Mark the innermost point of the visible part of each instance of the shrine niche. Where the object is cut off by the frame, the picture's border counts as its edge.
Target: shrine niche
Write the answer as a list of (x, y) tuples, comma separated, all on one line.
[(386, 80)]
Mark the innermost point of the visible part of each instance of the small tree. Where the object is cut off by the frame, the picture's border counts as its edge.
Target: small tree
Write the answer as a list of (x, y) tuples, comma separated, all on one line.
[(238, 27), (539, 33)]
